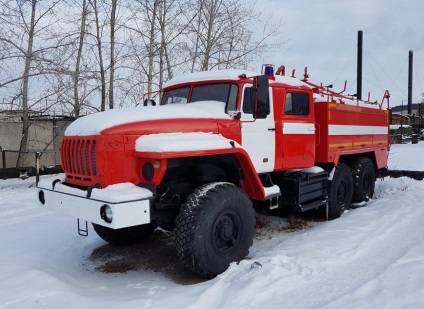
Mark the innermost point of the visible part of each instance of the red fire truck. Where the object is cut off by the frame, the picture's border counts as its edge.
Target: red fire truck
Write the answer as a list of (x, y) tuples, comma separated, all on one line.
[(216, 143)]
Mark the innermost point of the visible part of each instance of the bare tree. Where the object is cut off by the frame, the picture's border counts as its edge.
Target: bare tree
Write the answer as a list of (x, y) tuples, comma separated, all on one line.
[(152, 19), (121, 48), (77, 106), (31, 22), (227, 33), (25, 82), (171, 30), (98, 44), (112, 52)]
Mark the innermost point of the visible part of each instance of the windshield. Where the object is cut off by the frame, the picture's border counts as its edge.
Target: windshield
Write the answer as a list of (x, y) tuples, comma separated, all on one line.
[(175, 96), (225, 93)]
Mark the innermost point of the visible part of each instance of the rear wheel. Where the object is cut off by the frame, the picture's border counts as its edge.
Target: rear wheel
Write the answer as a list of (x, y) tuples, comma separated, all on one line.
[(214, 228), (340, 192), (363, 173), (124, 236)]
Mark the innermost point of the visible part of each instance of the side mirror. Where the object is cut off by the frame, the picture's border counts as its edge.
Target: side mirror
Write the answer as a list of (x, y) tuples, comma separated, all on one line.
[(261, 96)]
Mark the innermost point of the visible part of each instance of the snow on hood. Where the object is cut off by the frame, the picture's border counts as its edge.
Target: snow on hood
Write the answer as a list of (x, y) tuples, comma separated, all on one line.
[(175, 142), (94, 124)]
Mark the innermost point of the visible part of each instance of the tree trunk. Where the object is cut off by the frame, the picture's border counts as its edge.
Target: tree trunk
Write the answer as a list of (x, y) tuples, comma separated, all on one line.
[(112, 52), (196, 46), (212, 11), (100, 54), (25, 88), (162, 23), (151, 48), (77, 105)]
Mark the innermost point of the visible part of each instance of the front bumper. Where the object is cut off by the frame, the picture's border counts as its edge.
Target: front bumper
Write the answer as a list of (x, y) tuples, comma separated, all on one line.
[(130, 204)]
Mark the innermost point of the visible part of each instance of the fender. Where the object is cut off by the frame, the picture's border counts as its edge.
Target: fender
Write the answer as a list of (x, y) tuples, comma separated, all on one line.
[(183, 145)]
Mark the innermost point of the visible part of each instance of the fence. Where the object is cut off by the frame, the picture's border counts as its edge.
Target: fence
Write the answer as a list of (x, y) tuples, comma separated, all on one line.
[(24, 171)]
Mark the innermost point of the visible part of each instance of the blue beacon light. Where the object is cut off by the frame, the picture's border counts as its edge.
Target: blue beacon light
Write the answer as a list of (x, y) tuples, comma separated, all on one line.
[(268, 70)]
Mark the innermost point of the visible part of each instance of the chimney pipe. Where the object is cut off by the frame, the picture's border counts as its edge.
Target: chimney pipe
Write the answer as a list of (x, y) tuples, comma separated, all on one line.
[(359, 66), (410, 74)]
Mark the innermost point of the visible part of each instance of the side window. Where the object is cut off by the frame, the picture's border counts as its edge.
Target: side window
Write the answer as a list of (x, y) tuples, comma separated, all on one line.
[(232, 98), (297, 104), (248, 100)]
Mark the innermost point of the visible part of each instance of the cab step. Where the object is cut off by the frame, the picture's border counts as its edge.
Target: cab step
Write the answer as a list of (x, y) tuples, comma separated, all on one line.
[(272, 194)]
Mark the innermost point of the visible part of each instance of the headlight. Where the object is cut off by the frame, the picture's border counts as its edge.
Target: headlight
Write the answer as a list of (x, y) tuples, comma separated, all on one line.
[(148, 171), (106, 213)]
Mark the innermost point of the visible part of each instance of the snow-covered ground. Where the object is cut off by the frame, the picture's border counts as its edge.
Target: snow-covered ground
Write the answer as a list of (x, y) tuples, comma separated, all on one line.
[(371, 257), (408, 157)]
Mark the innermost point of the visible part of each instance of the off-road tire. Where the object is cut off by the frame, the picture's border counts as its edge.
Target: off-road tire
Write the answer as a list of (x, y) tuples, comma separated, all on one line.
[(340, 191), (125, 236), (363, 173), (214, 228)]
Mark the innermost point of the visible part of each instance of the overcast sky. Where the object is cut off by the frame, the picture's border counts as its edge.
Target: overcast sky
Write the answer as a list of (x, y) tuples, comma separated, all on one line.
[(322, 35)]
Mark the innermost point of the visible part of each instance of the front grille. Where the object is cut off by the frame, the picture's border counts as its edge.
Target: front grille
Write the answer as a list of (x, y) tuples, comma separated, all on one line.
[(79, 157)]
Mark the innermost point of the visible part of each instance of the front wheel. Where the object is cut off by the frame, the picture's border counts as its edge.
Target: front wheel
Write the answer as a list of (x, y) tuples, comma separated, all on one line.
[(214, 228)]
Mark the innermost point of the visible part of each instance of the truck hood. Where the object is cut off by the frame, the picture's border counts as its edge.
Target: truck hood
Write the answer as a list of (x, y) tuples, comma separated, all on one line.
[(94, 124)]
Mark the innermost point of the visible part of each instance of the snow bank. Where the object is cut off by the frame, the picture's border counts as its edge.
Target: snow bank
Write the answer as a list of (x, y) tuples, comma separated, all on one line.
[(371, 257), (407, 157)]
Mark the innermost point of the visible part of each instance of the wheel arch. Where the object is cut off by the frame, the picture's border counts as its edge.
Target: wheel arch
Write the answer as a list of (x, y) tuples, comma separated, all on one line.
[(348, 159), (240, 168)]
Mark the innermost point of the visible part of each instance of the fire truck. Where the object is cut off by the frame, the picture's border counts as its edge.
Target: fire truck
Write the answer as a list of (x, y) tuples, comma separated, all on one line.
[(214, 145)]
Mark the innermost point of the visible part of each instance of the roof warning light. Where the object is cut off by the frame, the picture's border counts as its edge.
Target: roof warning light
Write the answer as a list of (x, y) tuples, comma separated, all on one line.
[(268, 69)]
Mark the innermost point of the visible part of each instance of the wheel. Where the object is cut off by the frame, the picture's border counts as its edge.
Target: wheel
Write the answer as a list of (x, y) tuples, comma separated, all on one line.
[(363, 174), (214, 228), (124, 236), (340, 191)]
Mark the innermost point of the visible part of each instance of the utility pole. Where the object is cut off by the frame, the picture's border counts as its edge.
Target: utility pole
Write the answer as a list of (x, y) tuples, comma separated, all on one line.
[(401, 124)]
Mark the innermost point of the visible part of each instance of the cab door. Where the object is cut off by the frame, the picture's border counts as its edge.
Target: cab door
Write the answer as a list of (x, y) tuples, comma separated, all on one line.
[(258, 135), (298, 130)]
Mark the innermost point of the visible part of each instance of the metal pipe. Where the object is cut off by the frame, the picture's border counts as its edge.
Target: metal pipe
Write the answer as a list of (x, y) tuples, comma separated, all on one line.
[(37, 167), (3, 158), (401, 124), (410, 74), (359, 67)]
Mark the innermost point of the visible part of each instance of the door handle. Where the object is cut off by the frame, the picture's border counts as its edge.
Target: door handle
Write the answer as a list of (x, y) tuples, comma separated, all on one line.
[(271, 129)]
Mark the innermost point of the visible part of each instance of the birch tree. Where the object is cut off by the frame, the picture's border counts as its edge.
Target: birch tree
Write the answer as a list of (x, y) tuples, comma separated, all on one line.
[(99, 53), (77, 105), (227, 33), (112, 53), (28, 43)]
